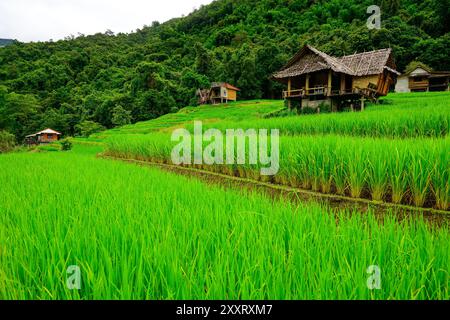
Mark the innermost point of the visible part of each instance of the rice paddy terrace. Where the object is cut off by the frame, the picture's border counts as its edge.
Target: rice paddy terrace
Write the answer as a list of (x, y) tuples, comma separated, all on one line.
[(396, 152), (143, 233)]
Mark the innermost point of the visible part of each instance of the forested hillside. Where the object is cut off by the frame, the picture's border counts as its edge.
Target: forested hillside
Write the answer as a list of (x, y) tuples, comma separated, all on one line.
[(5, 42), (80, 85)]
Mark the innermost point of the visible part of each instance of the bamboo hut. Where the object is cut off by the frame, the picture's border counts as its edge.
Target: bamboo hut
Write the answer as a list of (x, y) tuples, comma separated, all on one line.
[(314, 78)]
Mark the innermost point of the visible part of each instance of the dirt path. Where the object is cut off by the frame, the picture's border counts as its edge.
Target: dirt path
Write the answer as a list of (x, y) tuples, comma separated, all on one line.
[(275, 191)]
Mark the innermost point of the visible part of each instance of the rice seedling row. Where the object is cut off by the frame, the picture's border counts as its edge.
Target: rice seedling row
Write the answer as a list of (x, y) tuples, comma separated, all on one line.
[(412, 171)]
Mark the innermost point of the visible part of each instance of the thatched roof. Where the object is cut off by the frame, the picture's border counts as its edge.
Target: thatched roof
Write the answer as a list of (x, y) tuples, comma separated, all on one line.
[(309, 60)]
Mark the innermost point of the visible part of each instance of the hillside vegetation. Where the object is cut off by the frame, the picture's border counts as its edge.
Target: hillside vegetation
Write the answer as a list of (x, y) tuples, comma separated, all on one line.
[(84, 84)]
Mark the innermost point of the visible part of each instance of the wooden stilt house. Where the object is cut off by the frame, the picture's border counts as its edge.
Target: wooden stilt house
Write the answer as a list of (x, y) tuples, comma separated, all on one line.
[(220, 92), (43, 137), (423, 79), (314, 78)]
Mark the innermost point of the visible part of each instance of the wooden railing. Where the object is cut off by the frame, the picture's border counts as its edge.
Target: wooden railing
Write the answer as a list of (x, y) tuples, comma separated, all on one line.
[(322, 90), (293, 93), (303, 92), (418, 84)]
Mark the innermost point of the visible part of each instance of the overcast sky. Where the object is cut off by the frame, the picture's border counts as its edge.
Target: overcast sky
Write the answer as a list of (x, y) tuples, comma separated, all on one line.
[(42, 20)]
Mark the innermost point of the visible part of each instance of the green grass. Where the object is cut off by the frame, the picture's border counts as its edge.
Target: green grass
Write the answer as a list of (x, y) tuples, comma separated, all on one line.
[(408, 171), (139, 233), (234, 111), (331, 153), (401, 116)]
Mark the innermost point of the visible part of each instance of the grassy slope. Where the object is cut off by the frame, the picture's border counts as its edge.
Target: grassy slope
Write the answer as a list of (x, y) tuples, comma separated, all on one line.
[(235, 111), (417, 114), (400, 116), (133, 238), (409, 171)]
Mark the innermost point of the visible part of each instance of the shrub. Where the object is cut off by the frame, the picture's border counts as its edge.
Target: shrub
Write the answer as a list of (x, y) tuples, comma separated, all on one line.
[(325, 108), (309, 110), (86, 128), (295, 104), (66, 145), (7, 141)]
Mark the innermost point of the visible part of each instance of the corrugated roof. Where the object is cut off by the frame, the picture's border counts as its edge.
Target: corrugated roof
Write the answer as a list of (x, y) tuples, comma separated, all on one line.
[(309, 60), (224, 84)]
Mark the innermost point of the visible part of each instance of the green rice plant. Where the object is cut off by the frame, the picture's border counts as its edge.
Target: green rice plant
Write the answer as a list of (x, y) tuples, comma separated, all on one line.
[(326, 169), (314, 165), (339, 169), (377, 173), (304, 166), (385, 168), (419, 179), (143, 234), (440, 180), (356, 178), (399, 115), (409, 116), (397, 172), (49, 148)]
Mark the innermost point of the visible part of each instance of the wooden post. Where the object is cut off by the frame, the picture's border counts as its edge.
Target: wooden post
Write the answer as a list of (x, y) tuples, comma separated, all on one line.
[(342, 82), (330, 82), (289, 87), (307, 84), (362, 103)]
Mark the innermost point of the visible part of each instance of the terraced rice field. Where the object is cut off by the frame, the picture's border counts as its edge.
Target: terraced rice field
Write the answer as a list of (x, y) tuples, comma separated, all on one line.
[(396, 152), (142, 233)]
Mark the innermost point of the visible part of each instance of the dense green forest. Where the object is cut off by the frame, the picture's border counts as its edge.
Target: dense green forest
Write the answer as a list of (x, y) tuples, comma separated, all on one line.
[(85, 83)]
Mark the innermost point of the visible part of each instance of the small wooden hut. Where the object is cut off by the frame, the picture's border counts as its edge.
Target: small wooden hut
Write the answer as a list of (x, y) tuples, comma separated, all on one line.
[(43, 137), (315, 78), (219, 92), (423, 79)]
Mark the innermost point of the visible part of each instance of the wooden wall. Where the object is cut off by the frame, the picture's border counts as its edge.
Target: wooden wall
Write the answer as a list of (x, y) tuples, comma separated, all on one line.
[(45, 138), (363, 82), (232, 95)]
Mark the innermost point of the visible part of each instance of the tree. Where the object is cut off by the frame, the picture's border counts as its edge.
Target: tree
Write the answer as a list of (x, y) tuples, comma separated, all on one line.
[(242, 42), (121, 116), (7, 141), (417, 64), (203, 60), (390, 6), (17, 113), (86, 128)]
